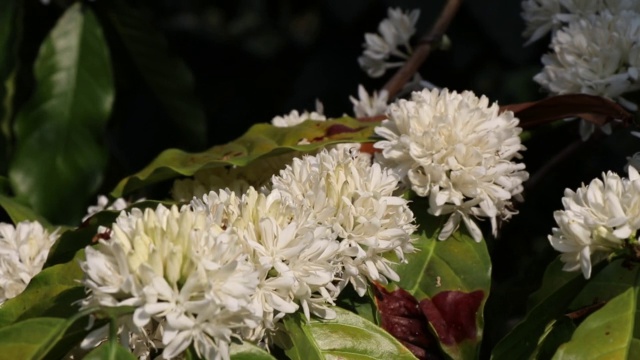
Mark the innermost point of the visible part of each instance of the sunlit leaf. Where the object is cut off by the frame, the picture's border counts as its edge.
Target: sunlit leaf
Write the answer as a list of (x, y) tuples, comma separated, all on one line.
[(167, 76), (59, 156), (110, 350), (347, 337), (608, 333), (451, 280), (247, 351), (261, 140)]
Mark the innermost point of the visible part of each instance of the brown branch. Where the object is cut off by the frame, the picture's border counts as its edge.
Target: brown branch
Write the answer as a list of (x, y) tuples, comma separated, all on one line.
[(423, 49)]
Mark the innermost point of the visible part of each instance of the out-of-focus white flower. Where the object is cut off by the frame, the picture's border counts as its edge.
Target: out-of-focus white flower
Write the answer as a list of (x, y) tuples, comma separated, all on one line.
[(23, 251), (597, 219), (457, 149), (394, 32), (345, 192), (595, 55), (633, 161), (103, 204), (177, 270), (369, 105), (543, 16), (294, 117)]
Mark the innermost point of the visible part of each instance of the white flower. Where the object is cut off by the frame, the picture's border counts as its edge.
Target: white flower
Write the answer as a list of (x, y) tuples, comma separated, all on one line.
[(543, 16), (368, 106), (23, 252), (458, 150), (295, 256), (597, 220), (345, 192), (177, 270), (294, 117), (595, 55), (633, 161), (103, 204), (394, 32)]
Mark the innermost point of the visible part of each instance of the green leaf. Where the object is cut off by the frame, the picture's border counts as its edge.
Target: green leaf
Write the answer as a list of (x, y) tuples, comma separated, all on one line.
[(608, 333), (167, 76), (18, 212), (448, 278), (260, 141), (248, 351), (110, 350), (51, 293), (347, 337), (549, 304), (34, 338), (60, 158)]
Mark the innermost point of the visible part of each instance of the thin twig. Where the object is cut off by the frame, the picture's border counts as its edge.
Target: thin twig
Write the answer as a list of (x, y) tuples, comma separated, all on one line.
[(555, 161), (423, 49)]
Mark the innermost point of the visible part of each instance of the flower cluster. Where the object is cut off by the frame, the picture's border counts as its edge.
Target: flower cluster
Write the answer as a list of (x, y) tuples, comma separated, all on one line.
[(23, 251), (230, 265), (294, 117), (595, 48), (394, 32), (597, 219), (457, 149), (543, 16)]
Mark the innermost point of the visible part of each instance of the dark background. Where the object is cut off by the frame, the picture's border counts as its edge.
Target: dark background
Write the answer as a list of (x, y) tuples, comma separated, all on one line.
[(254, 59)]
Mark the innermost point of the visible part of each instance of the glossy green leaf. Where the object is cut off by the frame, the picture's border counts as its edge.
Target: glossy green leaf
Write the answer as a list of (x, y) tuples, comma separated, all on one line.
[(608, 333), (18, 212), (59, 156), (34, 338), (110, 350), (549, 304), (349, 336), (51, 293), (247, 351), (261, 140), (167, 76), (457, 267)]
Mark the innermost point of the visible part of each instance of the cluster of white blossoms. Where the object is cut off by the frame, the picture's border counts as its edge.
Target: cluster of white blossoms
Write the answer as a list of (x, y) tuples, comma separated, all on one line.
[(597, 220), (458, 150), (23, 251), (231, 265), (394, 32), (294, 117), (595, 48), (369, 105), (544, 16)]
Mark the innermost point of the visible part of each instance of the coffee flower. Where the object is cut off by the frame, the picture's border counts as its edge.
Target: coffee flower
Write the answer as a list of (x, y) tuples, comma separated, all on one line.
[(23, 252), (191, 277), (595, 55), (597, 219), (294, 117), (369, 105), (394, 32), (458, 150), (544, 16), (343, 191)]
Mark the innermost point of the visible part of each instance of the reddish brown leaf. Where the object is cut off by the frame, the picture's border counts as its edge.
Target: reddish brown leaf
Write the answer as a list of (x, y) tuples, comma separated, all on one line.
[(595, 109), (401, 316), (453, 315)]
